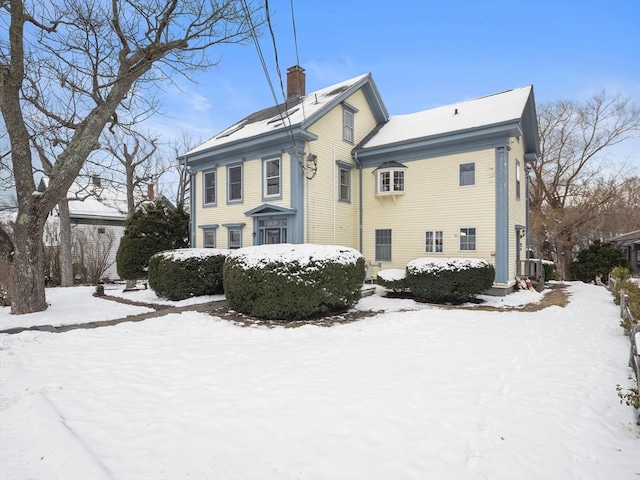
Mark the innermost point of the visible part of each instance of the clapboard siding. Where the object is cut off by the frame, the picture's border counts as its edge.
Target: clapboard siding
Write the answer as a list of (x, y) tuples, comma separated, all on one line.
[(331, 221), (433, 200)]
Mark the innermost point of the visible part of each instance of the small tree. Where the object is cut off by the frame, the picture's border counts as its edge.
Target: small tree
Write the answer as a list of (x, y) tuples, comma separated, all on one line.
[(154, 227), (598, 259)]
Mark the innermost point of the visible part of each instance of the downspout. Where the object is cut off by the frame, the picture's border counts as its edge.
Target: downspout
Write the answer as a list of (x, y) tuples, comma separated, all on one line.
[(192, 204), (527, 242), (306, 177), (335, 169), (360, 214)]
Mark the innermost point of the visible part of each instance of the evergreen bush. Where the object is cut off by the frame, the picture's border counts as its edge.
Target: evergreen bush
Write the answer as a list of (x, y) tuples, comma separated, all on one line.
[(631, 289), (153, 228), (186, 273), (448, 280), (293, 282), (597, 260), (394, 279), (549, 270)]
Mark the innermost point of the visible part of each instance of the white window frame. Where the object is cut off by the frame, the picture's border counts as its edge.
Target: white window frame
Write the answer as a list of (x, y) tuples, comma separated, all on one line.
[(381, 253), (206, 188), (395, 180), (464, 181), (266, 178), (470, 240), (434, 241), (229, 184)]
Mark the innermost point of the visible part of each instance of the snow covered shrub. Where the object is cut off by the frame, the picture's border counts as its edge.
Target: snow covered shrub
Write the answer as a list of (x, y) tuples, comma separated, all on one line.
[(549, 268), (186, 273), (393, 278), (454, 280), (293, 282)]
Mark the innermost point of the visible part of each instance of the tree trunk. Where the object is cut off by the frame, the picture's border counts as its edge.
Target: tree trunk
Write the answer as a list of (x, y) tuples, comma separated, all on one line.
[(66, 256), (27, 268)]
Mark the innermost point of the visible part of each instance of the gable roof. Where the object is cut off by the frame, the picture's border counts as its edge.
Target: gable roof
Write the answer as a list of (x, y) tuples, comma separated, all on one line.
[(505, 108), (299, 113), (91, 201)]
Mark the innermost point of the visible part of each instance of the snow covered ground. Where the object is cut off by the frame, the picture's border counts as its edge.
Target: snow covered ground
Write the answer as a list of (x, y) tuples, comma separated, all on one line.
[(416, 391)]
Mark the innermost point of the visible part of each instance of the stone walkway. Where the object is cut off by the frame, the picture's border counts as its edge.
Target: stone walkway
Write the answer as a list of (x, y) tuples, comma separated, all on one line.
[(160, 310)]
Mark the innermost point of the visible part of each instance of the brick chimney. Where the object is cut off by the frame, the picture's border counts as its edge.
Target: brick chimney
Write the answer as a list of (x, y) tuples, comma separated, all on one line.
[(150, 193), (295, 82)]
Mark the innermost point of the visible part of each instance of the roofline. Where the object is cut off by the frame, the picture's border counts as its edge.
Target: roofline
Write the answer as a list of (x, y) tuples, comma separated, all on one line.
[(250, 143), (429, 141), (372, 95), (370, 92)]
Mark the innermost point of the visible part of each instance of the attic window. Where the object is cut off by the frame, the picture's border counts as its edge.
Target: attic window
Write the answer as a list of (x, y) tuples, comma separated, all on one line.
[(230, 131)]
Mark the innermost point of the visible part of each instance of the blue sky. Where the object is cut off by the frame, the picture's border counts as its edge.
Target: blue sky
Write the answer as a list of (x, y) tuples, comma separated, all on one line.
[(423, 54)]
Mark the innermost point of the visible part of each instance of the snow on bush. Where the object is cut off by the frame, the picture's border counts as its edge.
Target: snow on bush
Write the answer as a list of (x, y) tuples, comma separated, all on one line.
[(292, 282), (455, 280), (188, 272), (393, 279)]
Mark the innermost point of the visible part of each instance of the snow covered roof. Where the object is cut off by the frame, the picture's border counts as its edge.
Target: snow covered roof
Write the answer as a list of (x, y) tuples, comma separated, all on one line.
[(484, 111), (296, 111), (102, 202), (95, 201)]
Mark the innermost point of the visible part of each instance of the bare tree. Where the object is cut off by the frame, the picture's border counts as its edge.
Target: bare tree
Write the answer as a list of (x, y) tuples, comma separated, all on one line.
[(569, 185), (71, 65), (136, 156), (183, 185)]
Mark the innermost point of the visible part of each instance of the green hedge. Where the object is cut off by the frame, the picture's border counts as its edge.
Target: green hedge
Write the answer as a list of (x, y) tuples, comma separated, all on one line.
[(448, 280), (186, 273), (549, 270), (393, 279), (622, 275), (293, 282)]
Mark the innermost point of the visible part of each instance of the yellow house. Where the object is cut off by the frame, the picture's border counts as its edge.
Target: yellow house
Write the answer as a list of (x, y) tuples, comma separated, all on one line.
[(333, 167)]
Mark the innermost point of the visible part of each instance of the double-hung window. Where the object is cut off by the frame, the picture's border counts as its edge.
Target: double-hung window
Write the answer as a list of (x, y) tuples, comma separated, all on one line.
[(209, 238), (383, 245), (235, 238), (345, 185), (348, 125), (234, 183), (434, 242), (209, 185), (272, 177), (467, 239), (467, 174)]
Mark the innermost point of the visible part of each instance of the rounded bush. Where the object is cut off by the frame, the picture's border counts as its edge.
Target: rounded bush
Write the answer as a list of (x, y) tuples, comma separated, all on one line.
[(454, 280), (293, 282), (394, 279), (186, 273)]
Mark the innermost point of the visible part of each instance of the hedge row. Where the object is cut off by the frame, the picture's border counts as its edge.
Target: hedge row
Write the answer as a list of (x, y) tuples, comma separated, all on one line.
[(441, 280), (293, 282), (186, 273)]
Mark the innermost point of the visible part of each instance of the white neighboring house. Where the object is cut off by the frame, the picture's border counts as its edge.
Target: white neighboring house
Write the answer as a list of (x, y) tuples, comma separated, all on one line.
[(97, 212)]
